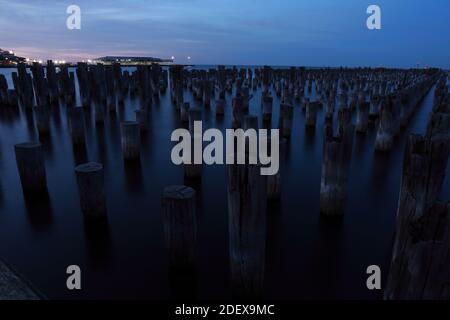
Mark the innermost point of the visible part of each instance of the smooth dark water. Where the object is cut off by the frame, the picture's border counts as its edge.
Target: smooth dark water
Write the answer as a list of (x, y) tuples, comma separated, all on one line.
[(307, 256)]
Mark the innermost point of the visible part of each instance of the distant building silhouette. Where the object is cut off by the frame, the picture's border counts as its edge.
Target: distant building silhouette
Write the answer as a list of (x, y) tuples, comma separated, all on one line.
[(8, 58), (131, 60)]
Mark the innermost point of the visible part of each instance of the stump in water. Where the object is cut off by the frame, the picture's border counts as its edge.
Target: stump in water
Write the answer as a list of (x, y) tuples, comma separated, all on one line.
[(439, 121), (362, 117), (274, 181), (207, 89), (267, 102), (76, 124), (184, 112), (142, 119), (247, 227), (195, 114), (91, 187), (421, 253), (286, 118), (220, 107), (131, 140), (385, 134), (311, 114), (31, 166), (180, 227), (237, 111), (374, 108), (337, 152), (42, 116)]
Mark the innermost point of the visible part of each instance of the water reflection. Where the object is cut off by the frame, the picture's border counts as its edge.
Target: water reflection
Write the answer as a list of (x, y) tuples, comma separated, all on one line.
[(39, 208), (380, 172), (133, 175), (98, 240)]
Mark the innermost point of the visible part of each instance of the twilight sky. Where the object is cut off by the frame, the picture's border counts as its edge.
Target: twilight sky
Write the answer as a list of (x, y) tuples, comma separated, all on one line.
[(277, 32)]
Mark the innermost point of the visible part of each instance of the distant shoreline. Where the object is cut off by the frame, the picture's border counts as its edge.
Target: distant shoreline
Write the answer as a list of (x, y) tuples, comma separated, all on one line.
[(74, 65)]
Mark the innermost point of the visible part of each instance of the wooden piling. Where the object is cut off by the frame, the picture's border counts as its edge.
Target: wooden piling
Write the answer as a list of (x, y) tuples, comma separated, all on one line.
[(91, 189), (42, 116), (220, 107), (247, 196), (76, 124), (420, 256), (362, 117), (31, 166), (180, 226), (384, 140), (337, 151), (267, 102), (311, 114), (184, 112), (142, 119), (131, 140)]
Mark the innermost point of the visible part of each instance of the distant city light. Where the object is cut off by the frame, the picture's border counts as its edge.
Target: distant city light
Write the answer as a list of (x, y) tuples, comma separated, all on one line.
[(40, 61), (189, 58), (11, 52), (173, 58), (89, 60)]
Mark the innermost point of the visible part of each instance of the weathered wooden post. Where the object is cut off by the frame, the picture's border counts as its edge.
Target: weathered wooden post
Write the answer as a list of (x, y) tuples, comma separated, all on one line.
[(3, 90), (180, 226), (337, 152), (311, 114), (328, 107), (31, 166), (131, 140), (304, 103), (247, 196), (286, 118), (267, 102), (195, 114), (12, 98), (250, 122), (207, 88), (184, 112), (237, 111), (374, 108), (99, 114), (342, 101), (220, 107), (91, 188), (385, 134), (192, 170), (274, 181), (142, 119), (421, 252), (362, 117), (76, 124), (42, 116)]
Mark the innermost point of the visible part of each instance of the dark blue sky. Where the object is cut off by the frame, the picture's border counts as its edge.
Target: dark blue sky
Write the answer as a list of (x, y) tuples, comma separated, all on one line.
[(283, 32)]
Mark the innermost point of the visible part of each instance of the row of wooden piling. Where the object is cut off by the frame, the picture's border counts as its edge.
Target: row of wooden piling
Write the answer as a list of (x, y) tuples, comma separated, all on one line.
[(388, 98), (421, 251)]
